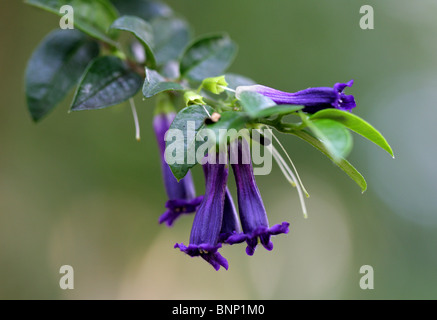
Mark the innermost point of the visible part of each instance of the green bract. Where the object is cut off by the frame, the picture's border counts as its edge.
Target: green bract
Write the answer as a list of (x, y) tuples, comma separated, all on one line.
[(192, 98), (215, 85)]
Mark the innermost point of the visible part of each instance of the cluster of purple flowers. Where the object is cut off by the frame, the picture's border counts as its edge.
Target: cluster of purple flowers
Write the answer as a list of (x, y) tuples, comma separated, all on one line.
[(216, 221)]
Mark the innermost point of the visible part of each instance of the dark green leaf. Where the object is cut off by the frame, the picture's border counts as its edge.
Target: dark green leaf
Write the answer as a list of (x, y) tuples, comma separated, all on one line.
[(335, 137), (55, 67), (343, 164), (92, 17), (196, 114), (171, 37), (145, 9), (107, 81), (155, 83), (142, 31), (208, 57), (356, 124)]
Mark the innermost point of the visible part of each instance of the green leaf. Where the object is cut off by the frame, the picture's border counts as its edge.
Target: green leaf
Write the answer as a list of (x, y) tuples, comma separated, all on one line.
[(228, 120), (92, 17), (282, 109), (155, 83), (145, 9), (208, 57), (336, 138), (198, 115), (55, 67), (171, 37), (343, 164), (254, 102), (107, 81), (356, 124), (141, 30)]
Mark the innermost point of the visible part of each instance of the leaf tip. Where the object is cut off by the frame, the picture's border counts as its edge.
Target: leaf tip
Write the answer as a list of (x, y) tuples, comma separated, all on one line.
[(35, 120), (390, 152)]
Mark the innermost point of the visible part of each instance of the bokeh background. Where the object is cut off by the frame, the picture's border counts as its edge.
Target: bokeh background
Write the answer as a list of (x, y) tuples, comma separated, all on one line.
[(78, 189)]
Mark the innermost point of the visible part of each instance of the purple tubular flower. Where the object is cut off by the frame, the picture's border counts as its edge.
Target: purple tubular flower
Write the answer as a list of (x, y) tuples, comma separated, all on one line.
[(314, 99), (207, 225), (230, 223), (182, 195), (252, 212)]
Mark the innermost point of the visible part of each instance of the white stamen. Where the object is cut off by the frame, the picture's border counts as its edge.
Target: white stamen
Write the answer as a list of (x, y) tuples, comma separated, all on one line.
[(284, 171), (137, 124), (227, 89), (279, 159), (292, 164), (206, 111)]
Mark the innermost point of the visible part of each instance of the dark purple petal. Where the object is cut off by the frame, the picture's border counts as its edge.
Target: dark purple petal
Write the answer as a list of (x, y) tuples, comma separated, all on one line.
[(236, 238), (251, 207), (161, 124), (184, 189), (178, 207), (230, 223), (209, 253), (346, 102), (341, 86), (207, 224), (208, 219), (253, 215), (262, 233)]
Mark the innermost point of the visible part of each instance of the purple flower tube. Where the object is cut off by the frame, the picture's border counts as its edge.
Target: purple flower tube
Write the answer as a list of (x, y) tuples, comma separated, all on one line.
[(314, 99), (253, 215), (207, 225), (182, 195)]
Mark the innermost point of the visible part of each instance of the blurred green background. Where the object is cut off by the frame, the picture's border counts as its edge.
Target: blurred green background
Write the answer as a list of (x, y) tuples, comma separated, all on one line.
[(78, 189)]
